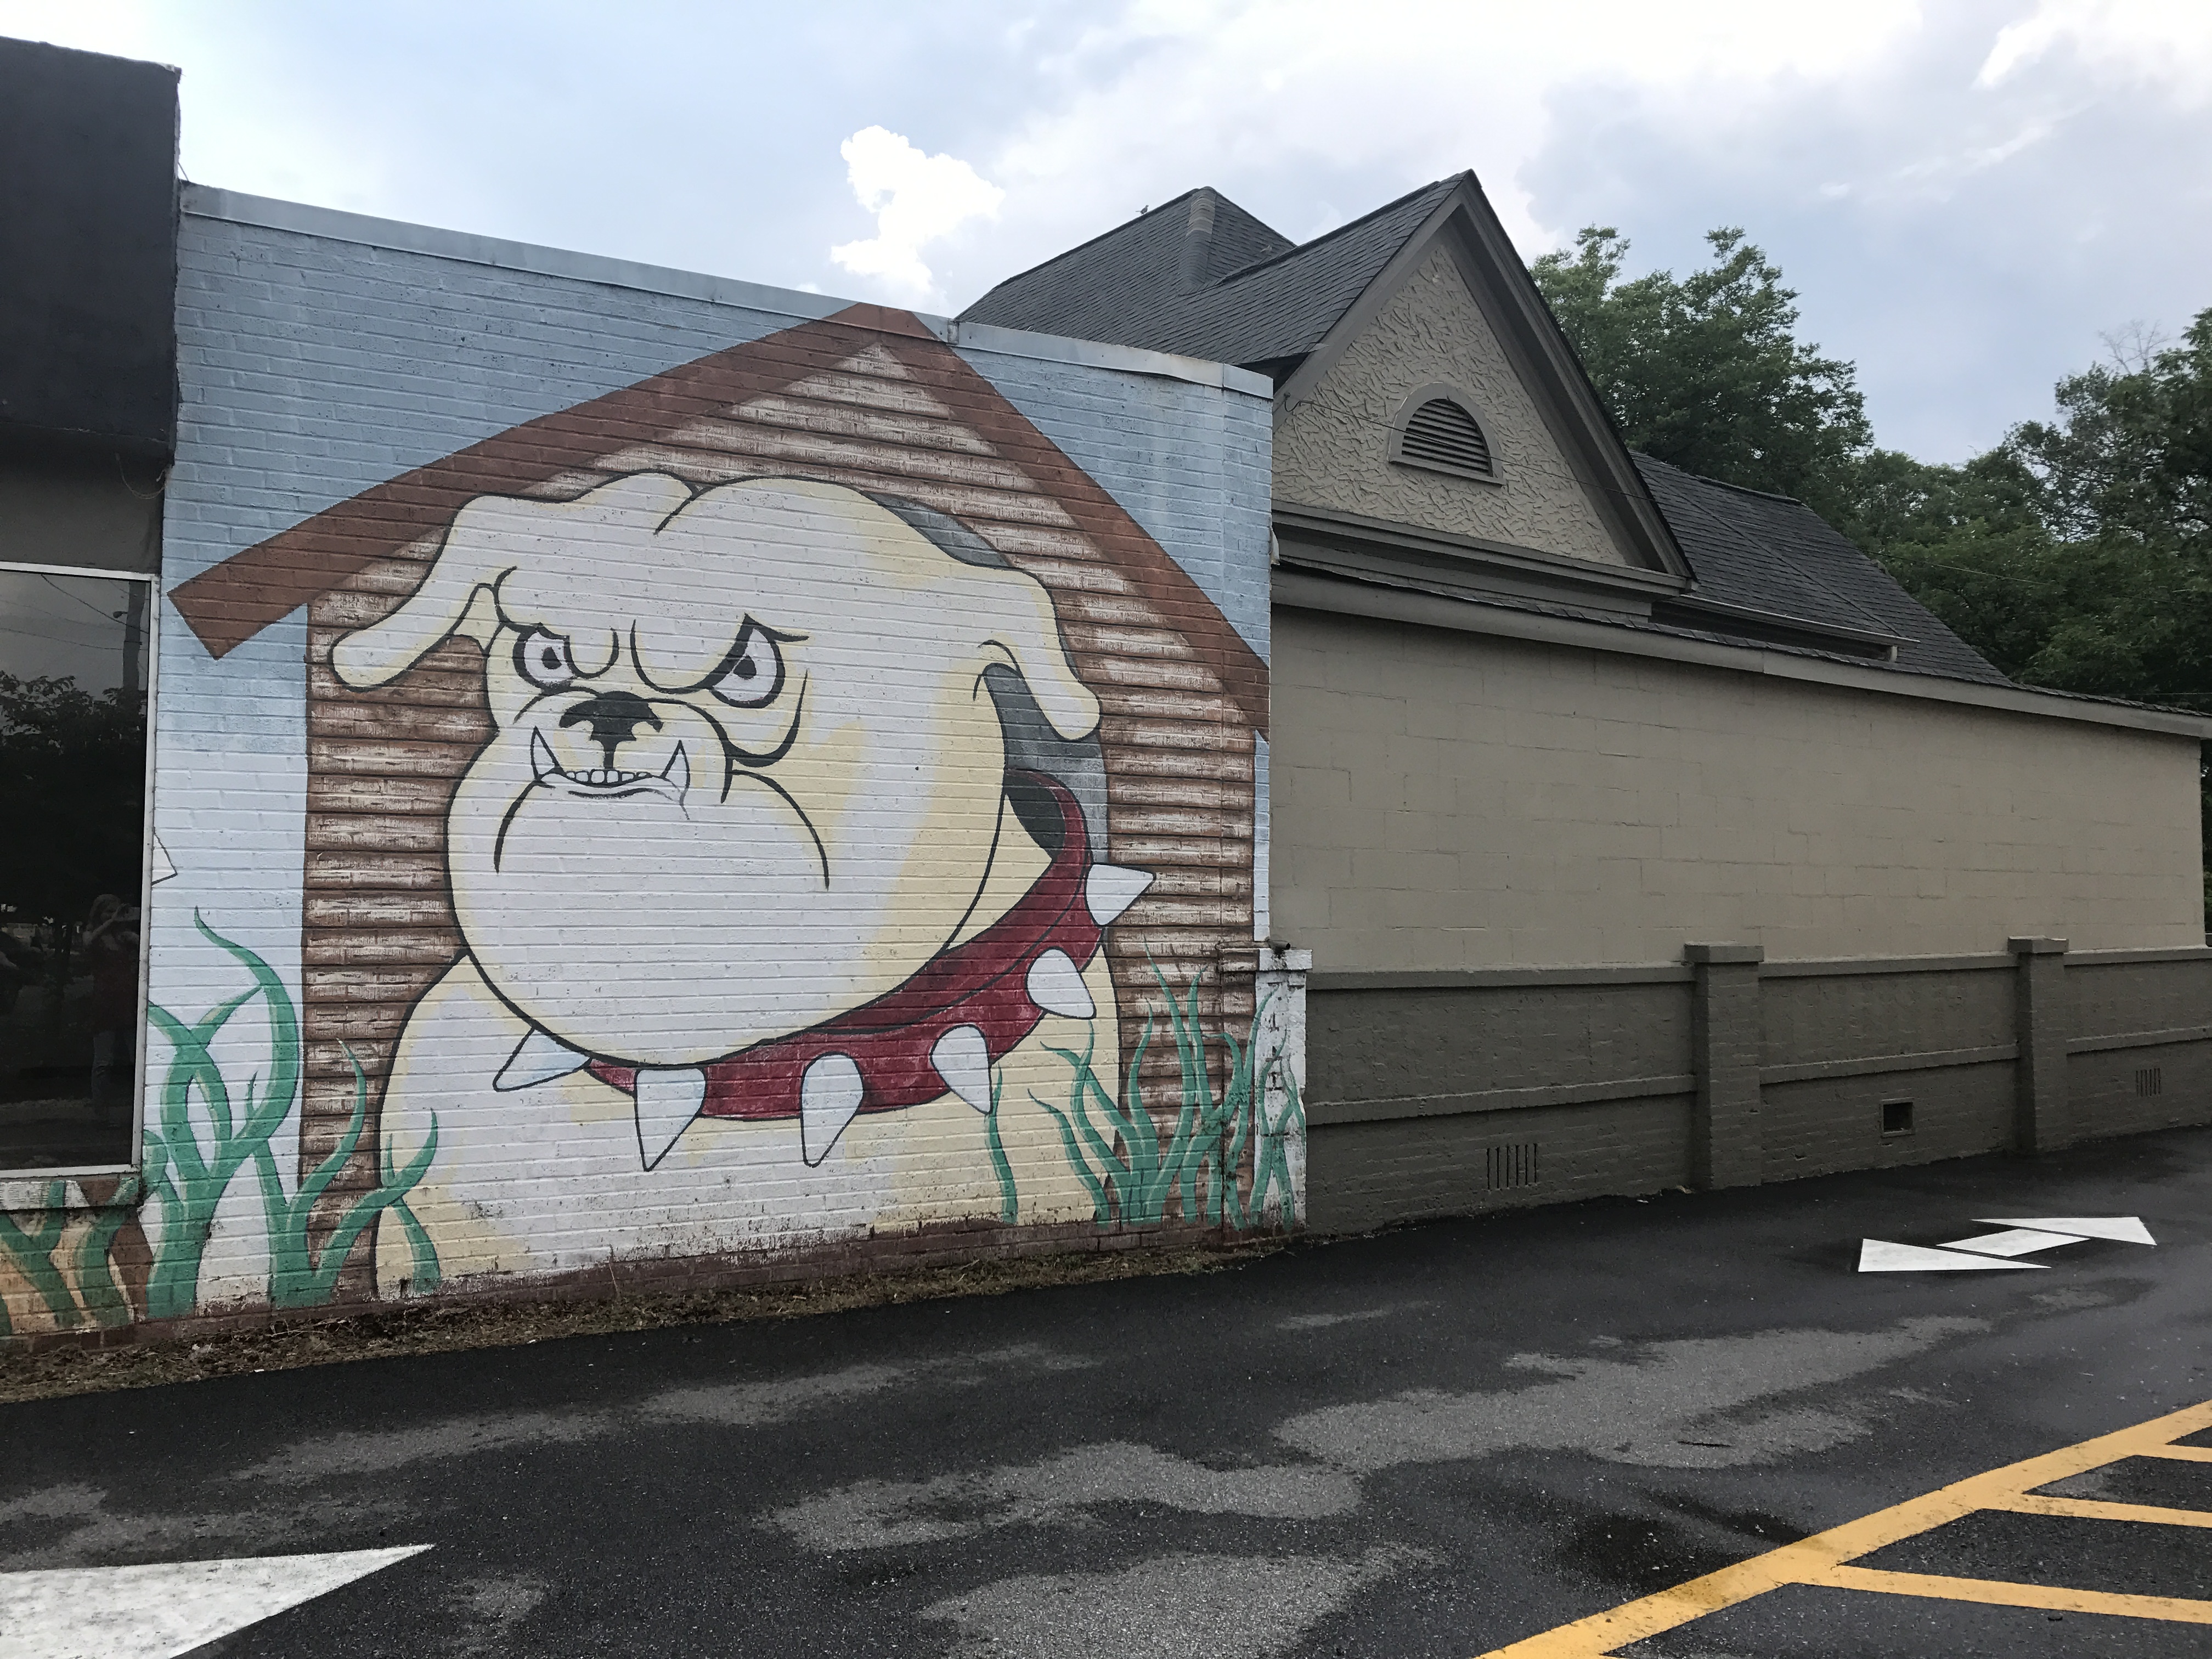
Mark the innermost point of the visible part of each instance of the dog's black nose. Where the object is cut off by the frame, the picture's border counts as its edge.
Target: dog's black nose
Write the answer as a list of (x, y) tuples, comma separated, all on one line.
[(614, 718)]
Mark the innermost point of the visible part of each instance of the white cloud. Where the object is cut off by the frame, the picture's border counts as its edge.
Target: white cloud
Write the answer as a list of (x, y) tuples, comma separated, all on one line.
[(1167, 94), (2164, 42), (917, 199)]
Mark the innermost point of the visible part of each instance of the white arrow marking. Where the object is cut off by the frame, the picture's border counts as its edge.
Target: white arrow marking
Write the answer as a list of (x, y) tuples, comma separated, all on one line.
[(168, 1609), (2013, 1240), (2124, 1229), (1878, 1255)]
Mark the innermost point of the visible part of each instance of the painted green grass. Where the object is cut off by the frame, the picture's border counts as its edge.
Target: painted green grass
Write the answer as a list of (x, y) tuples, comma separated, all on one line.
[(1132, 1172), (207, 1127), (191, 1180)]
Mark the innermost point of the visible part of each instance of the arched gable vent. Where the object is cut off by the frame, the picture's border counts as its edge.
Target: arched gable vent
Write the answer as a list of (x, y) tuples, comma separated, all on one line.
[(1437, 428)]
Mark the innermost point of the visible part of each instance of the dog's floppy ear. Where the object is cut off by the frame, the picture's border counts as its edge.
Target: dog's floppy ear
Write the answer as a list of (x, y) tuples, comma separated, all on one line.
[(1013, 614), (488, 538)]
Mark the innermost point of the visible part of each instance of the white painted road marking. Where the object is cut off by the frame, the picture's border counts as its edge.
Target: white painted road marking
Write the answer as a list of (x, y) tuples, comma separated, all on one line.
[(1984, 1251), (2013, 1240), (168, 1608), (2124, 1229), (1879, 1256)]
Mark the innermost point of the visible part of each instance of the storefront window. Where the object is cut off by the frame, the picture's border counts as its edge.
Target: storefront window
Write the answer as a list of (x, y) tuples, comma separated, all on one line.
[(74, 664)]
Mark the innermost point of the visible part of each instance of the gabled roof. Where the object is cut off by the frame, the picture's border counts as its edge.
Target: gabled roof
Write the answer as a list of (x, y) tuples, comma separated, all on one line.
[(1258, 299), (1763, 560), (1758, 567)]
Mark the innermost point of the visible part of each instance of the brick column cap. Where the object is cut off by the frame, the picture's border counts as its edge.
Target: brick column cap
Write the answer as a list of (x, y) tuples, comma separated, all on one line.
[(1718, 953), (2036, 947)]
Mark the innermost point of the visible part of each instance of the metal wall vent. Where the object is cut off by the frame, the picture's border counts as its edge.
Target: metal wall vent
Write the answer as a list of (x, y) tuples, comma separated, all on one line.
[(1511, 1166), (2150, 1080), (1442, 434)]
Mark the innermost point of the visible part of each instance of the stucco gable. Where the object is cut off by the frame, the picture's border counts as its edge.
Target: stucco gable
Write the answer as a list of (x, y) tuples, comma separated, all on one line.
[(1332, 446)]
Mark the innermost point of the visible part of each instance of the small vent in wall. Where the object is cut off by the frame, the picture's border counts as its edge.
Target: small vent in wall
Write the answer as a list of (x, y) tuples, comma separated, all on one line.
[(1442, 434), (1896, 1118), (2150, 1080), (1511, 1166)]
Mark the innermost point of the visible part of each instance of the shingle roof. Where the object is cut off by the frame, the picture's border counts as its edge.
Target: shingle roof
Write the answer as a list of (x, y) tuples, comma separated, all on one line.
[(1773, 554), (1264, 303), (1277, 302)]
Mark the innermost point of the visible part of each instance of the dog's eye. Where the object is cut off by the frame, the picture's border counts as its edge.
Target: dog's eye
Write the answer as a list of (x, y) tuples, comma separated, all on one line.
[(752, 673), (543, 660)]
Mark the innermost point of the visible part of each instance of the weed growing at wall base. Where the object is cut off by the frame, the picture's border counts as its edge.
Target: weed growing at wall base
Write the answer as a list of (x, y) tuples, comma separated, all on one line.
[(1132, 1173)]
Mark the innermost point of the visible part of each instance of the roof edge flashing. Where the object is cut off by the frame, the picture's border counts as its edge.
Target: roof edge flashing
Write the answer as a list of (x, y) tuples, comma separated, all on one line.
[(332, 224)]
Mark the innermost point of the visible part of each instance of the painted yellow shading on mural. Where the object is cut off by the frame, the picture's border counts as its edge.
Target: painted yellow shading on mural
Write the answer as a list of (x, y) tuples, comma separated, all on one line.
[(1823, 1561)]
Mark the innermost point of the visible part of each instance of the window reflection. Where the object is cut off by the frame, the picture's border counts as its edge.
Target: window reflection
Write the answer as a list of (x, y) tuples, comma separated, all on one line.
[(73, 654)]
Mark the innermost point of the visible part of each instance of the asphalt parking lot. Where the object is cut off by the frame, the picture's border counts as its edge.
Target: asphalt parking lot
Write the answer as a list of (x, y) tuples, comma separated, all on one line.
[(1440, 1441)]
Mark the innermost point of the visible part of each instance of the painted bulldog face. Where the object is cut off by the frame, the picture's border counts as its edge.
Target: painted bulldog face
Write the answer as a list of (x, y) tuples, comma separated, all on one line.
[(746, 773)]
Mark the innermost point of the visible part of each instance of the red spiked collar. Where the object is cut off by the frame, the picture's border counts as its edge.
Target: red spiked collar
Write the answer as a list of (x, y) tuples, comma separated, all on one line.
[(944, 1027)]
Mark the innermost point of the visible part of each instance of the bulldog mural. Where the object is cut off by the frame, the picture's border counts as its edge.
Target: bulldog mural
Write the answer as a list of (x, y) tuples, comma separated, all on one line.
[(746, 845), (767, 805)]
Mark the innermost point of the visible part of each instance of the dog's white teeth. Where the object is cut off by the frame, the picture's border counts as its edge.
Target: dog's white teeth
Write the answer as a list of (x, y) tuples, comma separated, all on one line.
[(964, 1060), (668, 1098), (1056, 987), (830, 1096), (1111, 888), (542, 763), (678, 770), (539, 1058)]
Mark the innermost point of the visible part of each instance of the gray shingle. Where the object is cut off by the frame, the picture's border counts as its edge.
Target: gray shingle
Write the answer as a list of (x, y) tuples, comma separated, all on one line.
[(1772, 553), (1127, 287), (1266, 303)]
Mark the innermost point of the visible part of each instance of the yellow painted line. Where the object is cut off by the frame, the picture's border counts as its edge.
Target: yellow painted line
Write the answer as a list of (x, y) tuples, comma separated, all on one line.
[(1997, 1594), (2179, 1454), (1809, 1559), (2091, 1509)]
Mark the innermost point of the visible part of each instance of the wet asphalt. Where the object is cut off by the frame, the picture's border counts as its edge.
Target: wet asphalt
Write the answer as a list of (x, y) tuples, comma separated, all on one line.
[(1430, 1442)]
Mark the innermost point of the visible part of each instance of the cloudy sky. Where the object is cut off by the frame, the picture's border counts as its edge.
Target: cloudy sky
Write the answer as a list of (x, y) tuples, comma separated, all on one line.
[(1970, 195)]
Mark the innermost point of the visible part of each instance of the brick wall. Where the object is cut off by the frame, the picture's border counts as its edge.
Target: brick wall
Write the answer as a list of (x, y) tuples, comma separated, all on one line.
[(1017, 731)]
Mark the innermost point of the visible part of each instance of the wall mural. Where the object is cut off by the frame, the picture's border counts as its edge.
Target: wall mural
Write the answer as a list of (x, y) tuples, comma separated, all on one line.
[(785, 803)]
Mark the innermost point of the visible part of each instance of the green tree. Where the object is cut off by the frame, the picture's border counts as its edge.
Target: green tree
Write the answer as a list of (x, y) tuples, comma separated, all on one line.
[(2077, 553), (1706, 372)]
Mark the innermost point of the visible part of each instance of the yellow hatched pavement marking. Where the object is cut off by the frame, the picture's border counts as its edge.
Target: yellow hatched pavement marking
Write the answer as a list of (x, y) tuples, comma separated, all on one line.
[(1998, 1593), (1821, 1559), (2180, 1454), (2095, 1508)]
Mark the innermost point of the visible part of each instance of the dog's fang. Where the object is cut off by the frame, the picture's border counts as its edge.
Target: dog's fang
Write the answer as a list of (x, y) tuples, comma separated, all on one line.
[(964, 1060), (668, 1098), (1111, 888), (537, 1059), (828, 1097), (1056, 987), (542, 763), (678, 770)]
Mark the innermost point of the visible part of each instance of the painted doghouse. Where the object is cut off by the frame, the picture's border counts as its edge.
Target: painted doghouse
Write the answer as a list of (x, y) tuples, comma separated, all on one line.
[(869, 399)]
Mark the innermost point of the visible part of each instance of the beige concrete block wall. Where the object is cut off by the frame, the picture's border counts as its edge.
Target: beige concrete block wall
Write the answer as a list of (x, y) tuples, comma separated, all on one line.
[(1332, 449), (1447, 800)]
